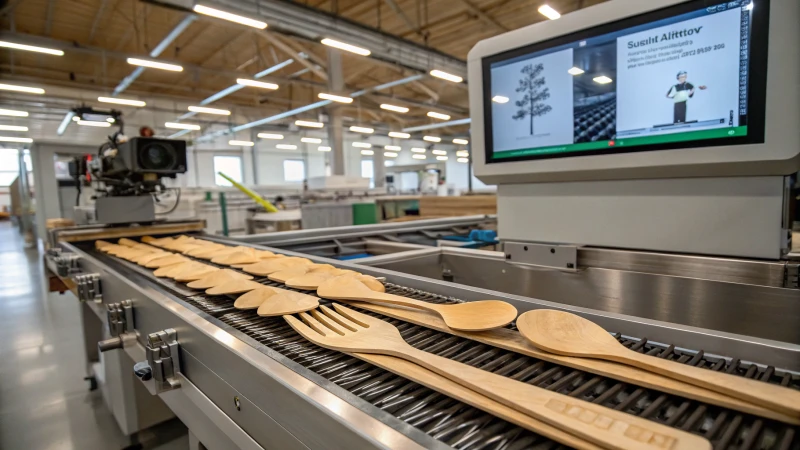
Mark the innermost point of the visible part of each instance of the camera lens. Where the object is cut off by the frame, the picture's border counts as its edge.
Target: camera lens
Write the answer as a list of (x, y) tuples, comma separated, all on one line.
[(157, 157)]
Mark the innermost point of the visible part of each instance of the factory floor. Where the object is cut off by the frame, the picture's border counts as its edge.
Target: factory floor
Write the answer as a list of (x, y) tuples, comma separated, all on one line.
[(45, 404)]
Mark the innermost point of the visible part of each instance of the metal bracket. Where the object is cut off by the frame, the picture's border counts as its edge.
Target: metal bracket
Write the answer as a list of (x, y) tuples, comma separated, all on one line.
[(163, 359), (120, 317), (550, 256), (792, 277), (67, 264), (89, 287)]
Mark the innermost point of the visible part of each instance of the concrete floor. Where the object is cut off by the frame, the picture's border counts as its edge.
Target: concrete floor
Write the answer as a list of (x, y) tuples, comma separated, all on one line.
[(45, 404)]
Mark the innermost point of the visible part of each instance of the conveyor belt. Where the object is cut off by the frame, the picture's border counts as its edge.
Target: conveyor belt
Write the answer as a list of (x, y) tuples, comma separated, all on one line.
[(464, 427)]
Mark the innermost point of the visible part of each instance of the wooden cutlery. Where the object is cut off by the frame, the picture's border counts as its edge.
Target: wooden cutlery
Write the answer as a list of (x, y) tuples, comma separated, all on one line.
[(564, 333), (218, 278), (349, 331)]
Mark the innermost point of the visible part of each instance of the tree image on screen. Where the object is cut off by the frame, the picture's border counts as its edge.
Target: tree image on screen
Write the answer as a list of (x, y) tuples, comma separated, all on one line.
[(532, 103)]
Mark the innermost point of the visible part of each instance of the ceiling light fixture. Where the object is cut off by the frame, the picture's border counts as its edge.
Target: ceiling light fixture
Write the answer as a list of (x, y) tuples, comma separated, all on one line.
[(418, 150), (286, 147), (308, 123), (203, 109), (182, 126), (549, 12), (92, 123), (154, 64), (13, 128), (446, 76), (395, 148), (439, 152), (500, 99), (362, 144), (462, 154), (110, 120), (388, 107), (463, 160), (324, 149), (575, 71), (347, 47), (419, 156), (441, 158), (437, 115), (399, 135), (229, 17), (335, 98), (26, 89), (309, 140), (365, 130), (367, 152), (15, 139), (270, 136), (432, 139), (11, 112), (241, 143), (258, 84), (31, 48), (460, 141), (76, 118), (602, 79), (390, 154), (121, 101)]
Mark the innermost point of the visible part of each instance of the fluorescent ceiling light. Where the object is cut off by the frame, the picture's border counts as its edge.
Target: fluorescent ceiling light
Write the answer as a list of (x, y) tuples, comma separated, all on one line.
[(460, 141), (441, 158), (324, 149), (31, 48), (229, 17), (437, 115), (242, 143), (419, 156), (182, 126), (549, 12), (308, 140), (347, 47), (500, 99), (388, 107), (258, 84), (270, 136), (110, 120), (397, 134), (439, 152), (92, 123), (11, 112), (203, 109), (308, 123), (463, 160), (286, 147), (367, 152), (76, 118), (602, 79), (15, 139), (395, 148), (446, 76), (13, 128), (462, 154), (155, 64), (121, 101), (335, 98), (418, 150), (432, 139), (575, 71), (390, 154), (26, 89), (362, 145), (356, 129)]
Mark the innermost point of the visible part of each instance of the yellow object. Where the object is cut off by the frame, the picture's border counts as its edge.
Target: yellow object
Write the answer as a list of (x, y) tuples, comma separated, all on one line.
[(256, 198)]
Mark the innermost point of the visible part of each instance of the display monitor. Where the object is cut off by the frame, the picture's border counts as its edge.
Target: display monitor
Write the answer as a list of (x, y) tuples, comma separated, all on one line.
[(679, 77)]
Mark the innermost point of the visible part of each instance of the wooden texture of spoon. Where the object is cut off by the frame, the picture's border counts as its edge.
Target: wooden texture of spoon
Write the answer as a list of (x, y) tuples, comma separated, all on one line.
[(312, 280), (237, 257), (234, 287), (194, 273), (567, 334), (218, 278), (283, 275), (174, 269), (471, 316), (144, 259), (203, 249), (287, 302), (254, 298), (166, 260), (268, 266)]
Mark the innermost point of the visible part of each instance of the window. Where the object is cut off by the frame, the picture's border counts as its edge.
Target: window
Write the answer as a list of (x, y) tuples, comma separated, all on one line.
[(294, 170), (230, 166), (368, 171), (9, 166)]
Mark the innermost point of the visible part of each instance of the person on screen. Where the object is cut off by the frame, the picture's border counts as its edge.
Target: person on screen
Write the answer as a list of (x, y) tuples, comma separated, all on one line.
[(681, 93)]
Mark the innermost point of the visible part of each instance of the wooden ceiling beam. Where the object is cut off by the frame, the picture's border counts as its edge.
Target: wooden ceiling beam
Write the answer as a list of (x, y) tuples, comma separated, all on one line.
[(282, 46), (483, 16)]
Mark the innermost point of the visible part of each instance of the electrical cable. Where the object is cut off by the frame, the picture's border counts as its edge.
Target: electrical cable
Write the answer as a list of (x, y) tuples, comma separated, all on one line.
[(177, 201)]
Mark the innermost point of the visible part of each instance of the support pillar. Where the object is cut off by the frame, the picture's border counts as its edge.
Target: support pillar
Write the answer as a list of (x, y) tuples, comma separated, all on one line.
[(335, 132)]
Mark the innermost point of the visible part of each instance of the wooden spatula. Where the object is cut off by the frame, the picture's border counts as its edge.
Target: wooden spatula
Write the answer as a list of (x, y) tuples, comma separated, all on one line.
[(283, 275), (349, 331), (234, 287), (254, 298), (195, 272), (287, 302), (173, 269), (471, 316), (268, 266), (564, 333), (144, 259), (312, 280), (167, 260), (237, 257), (217, 278)]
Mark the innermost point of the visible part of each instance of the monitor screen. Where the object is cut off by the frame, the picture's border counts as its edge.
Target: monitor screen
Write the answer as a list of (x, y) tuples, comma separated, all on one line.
[(673, 78)]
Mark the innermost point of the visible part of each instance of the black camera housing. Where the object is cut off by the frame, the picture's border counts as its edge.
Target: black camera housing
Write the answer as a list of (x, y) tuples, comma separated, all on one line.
[(165, 157)]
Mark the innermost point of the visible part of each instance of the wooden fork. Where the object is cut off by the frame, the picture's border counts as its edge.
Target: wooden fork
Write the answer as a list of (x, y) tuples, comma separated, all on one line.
[(350, 331)]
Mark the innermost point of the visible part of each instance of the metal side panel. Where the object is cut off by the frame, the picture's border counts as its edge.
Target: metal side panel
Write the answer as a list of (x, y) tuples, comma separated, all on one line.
[(315, 412)]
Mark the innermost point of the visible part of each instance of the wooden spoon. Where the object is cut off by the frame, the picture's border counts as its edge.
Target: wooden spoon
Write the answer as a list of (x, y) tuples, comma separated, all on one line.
[(283, 275), (217, 278), (144, 259), (254, 298), (208, 252), (166, 260), (471, 316), (234, 287), (202, 249), (237, 257), (564, 333), (100, 245), (268, 266), (127, 242), (195, 272), (287, 302), (174, 269), (312, 280)]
